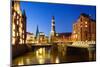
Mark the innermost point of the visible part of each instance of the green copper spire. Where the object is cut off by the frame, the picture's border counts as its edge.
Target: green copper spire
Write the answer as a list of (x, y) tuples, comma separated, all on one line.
[(37, 31)]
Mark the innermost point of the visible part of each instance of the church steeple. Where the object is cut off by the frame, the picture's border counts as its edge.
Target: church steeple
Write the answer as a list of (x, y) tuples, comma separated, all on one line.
[(24, 14), (53, 32), (37, 31)]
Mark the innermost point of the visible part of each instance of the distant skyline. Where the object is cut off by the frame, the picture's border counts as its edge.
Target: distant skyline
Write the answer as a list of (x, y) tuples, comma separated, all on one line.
[(39, 13)]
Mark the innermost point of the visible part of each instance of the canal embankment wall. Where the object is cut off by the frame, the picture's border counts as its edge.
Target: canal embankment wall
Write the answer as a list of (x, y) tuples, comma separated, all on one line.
[(79, 52), (18, 50)]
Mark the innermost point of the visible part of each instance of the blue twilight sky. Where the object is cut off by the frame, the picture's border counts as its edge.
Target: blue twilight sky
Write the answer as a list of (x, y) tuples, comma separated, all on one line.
[(65, 15)]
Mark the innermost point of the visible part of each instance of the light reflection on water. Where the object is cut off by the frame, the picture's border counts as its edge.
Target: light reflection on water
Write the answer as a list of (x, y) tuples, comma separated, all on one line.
[(43, 55), (57, 60), (21, 62), (38, 56)]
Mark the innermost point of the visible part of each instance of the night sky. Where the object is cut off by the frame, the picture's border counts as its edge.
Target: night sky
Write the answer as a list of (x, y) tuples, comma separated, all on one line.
[(65, 15)]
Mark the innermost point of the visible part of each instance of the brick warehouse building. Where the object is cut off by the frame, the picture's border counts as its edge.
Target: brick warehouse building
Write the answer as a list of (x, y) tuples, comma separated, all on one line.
[(84, 29), (18, 29)]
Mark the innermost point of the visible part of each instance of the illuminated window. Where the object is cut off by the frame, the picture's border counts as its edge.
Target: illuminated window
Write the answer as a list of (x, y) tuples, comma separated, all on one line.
[(41, 33), (14, 14), (13, 26), (20, 19), (56, 34), (17, 22), (23, 31), (20, 34), (23, 36), (13, 33), (18, 12), (74, 31), (20, 41), (73, 36), (17, 33), (17, 17), (76, 36), (86, 22), (41, 39), (85, 25), (20, 24), (13, 41), (20, 30)]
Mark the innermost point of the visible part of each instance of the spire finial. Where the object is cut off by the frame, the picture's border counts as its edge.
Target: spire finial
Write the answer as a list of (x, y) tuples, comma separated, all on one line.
[(37, 31)]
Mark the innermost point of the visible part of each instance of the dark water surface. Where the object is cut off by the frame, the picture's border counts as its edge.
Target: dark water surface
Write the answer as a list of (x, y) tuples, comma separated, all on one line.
[(53, 54)]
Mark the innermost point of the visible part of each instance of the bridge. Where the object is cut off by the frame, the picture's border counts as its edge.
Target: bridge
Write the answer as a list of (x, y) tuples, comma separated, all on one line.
[(41, 45), (78, 44), (83, 44), (89, 45)]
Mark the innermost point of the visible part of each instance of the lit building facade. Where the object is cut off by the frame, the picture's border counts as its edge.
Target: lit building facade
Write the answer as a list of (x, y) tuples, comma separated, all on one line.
[(42, 38), (18, 24), (84, 29), (64, 37), (30, 38)]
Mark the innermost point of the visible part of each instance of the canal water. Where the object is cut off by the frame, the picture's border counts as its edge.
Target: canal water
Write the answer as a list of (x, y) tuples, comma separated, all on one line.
[(52, 55)]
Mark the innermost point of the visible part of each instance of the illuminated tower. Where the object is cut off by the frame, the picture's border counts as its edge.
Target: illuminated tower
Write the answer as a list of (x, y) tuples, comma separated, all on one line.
[(53, 32)]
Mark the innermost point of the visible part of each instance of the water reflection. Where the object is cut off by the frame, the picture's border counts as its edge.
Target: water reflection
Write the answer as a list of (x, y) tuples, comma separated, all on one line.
[(38, 56), (21, 62), (57, 60), (43, 55)]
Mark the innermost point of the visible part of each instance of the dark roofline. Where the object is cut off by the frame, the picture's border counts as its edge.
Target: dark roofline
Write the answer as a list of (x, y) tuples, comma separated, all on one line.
[(29, 33), (93, 20), (64, 32), (84, 14)]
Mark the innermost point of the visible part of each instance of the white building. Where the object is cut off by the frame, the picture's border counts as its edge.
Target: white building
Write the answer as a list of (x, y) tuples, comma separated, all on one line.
[(30, 38)]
